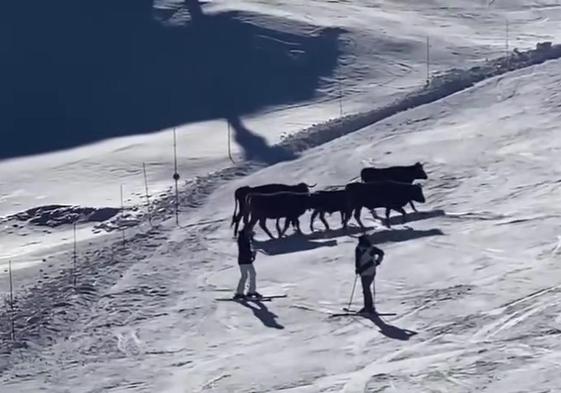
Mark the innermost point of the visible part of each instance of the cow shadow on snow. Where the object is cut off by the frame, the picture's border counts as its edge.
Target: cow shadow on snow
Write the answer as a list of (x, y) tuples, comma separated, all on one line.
[(354, 230), (417, 216), (402, 235), (262, 313), (289, 244), (340, 232), (302, 242)]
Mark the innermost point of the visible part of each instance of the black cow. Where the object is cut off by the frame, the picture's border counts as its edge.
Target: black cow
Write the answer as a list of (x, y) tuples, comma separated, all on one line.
[(241, 194), (289, 205), (404, 174), (327, 202), (390, 195)]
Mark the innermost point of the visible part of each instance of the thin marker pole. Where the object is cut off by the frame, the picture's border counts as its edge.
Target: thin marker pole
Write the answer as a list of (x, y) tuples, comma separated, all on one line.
[(13, 330), (147, 196), (74, 256), (506, 41), (352, 292), (229, 148), (175, 177), (428, 61), (122, 212), (340, 98)]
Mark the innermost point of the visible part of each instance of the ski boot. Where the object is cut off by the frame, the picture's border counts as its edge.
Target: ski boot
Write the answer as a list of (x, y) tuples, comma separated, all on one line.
[(367, 311), (254, 295)]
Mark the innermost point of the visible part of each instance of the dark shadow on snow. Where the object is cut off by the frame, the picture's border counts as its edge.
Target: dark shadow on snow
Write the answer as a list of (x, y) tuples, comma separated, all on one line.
[(262, 313), (289, 244), (401, 235), (255, 147), (388, 330), (75, 72), (415, 216), (340, 232), (302, 242), (397, 218), (352, 230)]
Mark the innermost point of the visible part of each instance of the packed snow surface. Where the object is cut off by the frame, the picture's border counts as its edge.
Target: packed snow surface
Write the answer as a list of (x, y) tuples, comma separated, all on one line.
[(471, 282)]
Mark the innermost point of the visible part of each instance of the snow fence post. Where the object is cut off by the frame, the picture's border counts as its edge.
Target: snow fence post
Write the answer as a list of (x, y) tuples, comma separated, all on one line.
[(229, 148), (122, 212), (147, 195), (340, 98), (175, 177), (74, 258), (12, 324), (506, 42), (427, 82)]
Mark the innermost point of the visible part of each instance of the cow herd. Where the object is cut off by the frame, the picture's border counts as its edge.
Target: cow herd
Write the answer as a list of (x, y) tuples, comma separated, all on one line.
[(391, 188)]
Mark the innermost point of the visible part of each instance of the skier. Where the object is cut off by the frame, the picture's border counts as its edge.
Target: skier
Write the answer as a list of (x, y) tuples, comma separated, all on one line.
[(246, 256), (367, 257)]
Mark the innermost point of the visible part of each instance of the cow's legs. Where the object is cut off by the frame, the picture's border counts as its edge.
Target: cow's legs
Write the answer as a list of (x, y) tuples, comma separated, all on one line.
[(403, 214), (286, 223), (278, 227), (322, 218), (357, 216), (348, 215), (343, 222), (237, 219), (413, 206), (388, 211), (289, 223), (297, 224), (262, 224), (312, 218)]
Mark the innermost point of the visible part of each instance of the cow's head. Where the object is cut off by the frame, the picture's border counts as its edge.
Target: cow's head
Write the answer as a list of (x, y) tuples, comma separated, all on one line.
[(242, 191), (303, 187), (417, 194), (419, 171)]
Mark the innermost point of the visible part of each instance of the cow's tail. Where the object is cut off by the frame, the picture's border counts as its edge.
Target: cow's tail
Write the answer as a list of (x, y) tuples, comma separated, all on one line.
[(245, 213), (235, 210)]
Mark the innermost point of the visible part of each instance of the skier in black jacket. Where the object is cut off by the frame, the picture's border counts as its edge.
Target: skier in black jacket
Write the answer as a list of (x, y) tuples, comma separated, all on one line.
[(246, 256), (367, 257)]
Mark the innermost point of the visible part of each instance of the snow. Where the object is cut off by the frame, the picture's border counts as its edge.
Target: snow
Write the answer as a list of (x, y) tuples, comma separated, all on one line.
[(473, 283), (383, 57)]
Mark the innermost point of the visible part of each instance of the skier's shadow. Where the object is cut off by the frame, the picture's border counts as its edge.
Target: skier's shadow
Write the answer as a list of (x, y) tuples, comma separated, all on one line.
[(388, 330), (262, 313)]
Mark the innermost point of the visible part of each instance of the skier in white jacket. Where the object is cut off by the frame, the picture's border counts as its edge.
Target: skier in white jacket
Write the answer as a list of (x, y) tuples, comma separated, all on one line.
[(367, 257)]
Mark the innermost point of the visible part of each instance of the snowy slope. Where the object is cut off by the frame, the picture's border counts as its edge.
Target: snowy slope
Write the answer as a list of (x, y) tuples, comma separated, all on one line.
[(477, 285), (383, 56), (475, 291)]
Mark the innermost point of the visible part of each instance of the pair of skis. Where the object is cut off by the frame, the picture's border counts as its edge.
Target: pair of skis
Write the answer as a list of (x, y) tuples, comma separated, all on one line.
[(352, 313), (346, 312), (250, 299)]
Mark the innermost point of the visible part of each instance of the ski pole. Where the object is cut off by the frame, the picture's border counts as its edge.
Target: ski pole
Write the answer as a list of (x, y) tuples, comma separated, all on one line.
[(352, 293)]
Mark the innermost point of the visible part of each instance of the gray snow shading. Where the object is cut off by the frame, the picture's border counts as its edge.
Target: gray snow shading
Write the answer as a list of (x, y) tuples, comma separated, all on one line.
[(34, 311), (143, 309), (56, 215), (122, 72)]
